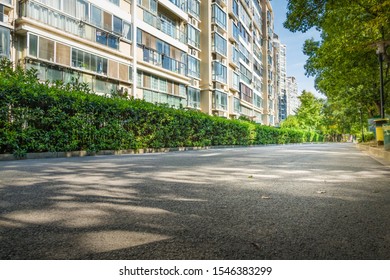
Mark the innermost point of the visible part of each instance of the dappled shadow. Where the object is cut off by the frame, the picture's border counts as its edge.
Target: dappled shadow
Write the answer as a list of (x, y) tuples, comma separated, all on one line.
[(290, 202)]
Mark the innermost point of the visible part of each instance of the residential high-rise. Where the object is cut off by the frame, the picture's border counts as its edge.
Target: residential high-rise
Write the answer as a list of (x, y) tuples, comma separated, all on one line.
[(281, 80), (293, 102), (216, 56)]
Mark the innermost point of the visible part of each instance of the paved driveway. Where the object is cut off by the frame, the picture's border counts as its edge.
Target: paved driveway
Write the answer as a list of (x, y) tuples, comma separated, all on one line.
[(326, 201)]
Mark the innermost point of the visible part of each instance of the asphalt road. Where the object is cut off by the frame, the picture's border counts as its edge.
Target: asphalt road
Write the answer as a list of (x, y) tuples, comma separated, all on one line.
[(325, 201)]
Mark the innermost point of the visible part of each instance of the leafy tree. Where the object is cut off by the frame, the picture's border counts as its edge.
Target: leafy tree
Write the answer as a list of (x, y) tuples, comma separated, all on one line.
[(344, 62), (309, 114), (290, 122)]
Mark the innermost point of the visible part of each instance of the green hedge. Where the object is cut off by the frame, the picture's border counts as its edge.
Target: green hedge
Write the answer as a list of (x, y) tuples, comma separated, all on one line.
[(38, 117)]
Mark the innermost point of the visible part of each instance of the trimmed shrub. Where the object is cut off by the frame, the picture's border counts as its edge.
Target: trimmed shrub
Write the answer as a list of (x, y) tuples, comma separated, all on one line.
[(38, 117)]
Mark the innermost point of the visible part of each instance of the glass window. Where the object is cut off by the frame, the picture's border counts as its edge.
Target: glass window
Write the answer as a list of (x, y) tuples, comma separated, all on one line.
[(193, 7), (69, 7), (107, 21), (96, 16), (219, 100), (113, 42), (116, 2), (81, 9), (5, 42), (193, 67), (118, 25), (127, 30), (219, 16), (33, 45), (124, 72), (193, 36), (46, 49), (193, 97), (219, 72), (219, 44), (101, 37), (62, 54)]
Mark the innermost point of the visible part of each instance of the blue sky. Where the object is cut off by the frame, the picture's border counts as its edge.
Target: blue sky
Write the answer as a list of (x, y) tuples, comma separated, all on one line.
[(294, 42)]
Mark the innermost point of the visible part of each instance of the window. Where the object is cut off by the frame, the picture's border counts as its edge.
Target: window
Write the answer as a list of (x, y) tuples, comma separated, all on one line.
[(87, 61), (33, 45), (118, 25), (127, 31), (193, 36), (5, 42), (107, 21), (219, 72), (193, 7), (46, 49), (237, 105), (116, 2), (113, 68), (235, 7), (82, 10), (113, 42), (62, 54), (236, 56), (193, 97), (258, 102), (101, 37), (193, 67), (236, 80), (219, 100), (219, 44), (96, 16), (246, 75), (219, 16), (246, 93)]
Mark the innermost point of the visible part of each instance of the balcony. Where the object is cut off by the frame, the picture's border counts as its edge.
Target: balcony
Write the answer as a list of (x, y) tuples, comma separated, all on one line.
[(161, 60), (68, 24), (164, 25)]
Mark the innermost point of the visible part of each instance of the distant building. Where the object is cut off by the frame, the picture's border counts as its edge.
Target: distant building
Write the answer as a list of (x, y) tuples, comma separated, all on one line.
[(281, 78), (293, 102)]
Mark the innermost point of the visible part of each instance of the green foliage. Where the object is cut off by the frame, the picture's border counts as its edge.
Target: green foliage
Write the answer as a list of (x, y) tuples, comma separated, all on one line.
[(37, 117), (344, 62)]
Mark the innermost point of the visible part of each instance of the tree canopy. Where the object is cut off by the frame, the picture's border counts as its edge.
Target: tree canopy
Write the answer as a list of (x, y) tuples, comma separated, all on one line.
[(344, 62)]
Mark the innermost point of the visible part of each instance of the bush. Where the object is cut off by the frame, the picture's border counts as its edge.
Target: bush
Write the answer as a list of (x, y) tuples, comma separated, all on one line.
[(38, 117)]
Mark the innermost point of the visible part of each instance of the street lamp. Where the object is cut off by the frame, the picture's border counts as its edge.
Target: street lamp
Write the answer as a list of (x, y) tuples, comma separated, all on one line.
[(380, 51)]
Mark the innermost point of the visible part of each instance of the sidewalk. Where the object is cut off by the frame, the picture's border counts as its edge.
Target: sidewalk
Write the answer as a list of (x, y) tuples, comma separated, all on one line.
[(376, 152)]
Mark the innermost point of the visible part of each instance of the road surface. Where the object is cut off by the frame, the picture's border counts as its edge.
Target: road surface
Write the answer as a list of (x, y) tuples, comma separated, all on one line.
[(321, 201)]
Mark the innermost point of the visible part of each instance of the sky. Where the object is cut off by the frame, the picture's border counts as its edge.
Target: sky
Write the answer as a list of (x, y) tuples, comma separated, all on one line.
[(294, 43)]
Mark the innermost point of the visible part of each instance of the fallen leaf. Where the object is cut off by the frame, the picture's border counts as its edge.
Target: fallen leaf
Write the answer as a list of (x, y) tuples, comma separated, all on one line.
[(250, 177)]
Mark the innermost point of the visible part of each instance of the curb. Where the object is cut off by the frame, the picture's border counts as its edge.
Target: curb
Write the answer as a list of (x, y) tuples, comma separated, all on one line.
[(44, 155), (375, 152)]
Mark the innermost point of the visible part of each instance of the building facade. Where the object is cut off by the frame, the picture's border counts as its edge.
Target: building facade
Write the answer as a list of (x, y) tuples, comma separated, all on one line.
[(281, 78), (293, 102), (216, 56)]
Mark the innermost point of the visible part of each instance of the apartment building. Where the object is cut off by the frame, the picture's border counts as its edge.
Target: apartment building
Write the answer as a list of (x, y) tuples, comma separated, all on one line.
[(281, 78), (293, 102), (216, 56)]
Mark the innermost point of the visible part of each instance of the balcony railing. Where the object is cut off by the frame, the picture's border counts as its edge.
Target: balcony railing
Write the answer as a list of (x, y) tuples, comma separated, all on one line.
[(159, 59), (64, 22), (164, 26)]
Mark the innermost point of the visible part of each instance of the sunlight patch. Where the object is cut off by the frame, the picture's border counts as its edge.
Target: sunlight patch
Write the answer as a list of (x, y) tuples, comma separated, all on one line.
[(105, 241)]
